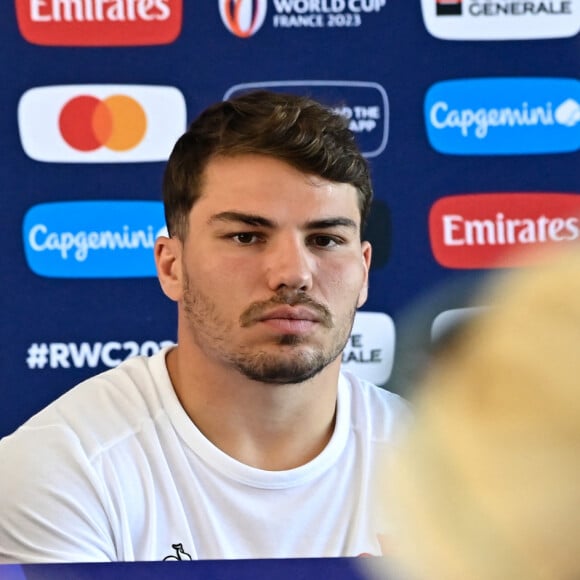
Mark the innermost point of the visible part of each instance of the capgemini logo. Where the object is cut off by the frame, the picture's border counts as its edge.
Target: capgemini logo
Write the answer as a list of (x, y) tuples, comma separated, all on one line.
[(243, 18), (93, 239), (504, 116)]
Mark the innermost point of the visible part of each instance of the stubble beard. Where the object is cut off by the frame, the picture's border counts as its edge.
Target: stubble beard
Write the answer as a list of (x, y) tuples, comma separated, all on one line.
[(291, 363)]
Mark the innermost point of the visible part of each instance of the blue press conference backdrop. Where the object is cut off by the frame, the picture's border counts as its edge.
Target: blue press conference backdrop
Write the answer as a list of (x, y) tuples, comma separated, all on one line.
[(468, 111)]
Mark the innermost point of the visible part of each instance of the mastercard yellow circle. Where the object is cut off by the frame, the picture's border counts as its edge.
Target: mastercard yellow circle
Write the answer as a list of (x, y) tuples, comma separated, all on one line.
[(125, 124)]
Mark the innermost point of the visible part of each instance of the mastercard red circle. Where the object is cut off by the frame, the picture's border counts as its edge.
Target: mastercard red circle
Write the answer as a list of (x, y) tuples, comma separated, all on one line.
[(87, 123), (75, 123)]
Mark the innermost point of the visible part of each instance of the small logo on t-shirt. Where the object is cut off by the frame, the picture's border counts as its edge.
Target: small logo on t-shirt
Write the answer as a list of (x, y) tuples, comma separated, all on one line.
[(180, 553)]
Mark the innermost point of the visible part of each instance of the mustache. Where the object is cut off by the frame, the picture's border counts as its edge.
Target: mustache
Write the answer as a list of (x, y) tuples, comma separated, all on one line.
[(256, 310)]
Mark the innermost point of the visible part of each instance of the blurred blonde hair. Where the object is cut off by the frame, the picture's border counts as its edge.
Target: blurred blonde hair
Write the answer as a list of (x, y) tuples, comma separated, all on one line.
[(486, 484)]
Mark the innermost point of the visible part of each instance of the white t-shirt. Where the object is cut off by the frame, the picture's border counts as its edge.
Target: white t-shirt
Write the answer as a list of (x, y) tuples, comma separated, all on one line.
[(115, 470)]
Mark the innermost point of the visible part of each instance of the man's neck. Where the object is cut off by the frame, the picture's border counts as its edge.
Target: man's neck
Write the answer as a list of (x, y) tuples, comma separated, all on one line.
[(269, 426)]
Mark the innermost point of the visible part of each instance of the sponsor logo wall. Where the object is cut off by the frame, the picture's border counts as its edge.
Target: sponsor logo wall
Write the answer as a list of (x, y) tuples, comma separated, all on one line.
[(468, 112)]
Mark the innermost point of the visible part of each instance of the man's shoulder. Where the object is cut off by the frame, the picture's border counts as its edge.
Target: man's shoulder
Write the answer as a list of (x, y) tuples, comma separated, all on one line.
[(106, 407)]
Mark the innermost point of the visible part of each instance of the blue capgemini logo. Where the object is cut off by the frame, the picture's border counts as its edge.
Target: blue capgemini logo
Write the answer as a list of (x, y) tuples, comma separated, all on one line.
[(504, 116), (93, 239)]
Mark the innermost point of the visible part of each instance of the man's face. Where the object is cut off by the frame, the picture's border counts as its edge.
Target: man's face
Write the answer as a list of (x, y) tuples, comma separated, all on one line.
[(273, 269)]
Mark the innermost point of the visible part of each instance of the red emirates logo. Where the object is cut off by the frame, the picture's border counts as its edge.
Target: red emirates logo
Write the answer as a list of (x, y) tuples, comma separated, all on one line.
[(99, 22), (491, 230)]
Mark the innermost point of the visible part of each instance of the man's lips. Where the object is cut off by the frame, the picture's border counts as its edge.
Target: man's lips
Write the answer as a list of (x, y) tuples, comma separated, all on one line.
[(289, 313), (290, 320)]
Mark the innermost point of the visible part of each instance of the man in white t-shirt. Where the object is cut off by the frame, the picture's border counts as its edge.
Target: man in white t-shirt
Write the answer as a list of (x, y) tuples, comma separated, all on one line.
[(244, 440)]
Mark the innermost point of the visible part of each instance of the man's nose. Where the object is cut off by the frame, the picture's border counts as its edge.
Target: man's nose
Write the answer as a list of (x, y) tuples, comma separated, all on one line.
[(290, 264)]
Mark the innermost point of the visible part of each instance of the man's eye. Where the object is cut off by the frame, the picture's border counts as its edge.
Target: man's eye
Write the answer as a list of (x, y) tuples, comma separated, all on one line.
[(245, 238), (325, 241)]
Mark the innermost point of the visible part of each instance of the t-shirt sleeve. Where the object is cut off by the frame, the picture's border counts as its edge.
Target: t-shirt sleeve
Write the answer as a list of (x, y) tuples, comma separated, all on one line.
[(53, 506)]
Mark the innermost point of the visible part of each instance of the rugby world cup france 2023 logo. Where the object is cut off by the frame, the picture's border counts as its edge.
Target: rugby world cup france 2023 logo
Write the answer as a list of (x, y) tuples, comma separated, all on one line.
[(243, 18)]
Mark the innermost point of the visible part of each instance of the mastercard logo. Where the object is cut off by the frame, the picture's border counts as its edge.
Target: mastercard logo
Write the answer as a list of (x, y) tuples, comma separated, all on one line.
[(101, 123), (243, 18), (117, 122)]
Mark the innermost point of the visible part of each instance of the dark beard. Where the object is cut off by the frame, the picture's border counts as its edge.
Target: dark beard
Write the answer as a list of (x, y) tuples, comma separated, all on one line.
[(272, 369), (285, 367), (277, 369)]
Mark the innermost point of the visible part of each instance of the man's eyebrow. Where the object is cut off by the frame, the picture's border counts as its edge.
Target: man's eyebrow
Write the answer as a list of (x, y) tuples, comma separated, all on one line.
[(257, 220), (331, 223), (245, 218)]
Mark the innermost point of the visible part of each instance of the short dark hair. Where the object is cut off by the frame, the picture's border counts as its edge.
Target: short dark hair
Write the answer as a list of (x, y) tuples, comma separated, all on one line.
[(298, 130)]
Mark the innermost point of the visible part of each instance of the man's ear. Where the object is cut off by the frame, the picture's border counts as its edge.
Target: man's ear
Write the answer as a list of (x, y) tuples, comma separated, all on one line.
[(367, 252), (169, 267)]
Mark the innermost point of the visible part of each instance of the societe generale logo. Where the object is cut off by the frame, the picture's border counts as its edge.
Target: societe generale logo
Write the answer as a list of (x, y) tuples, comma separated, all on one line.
[(370, 350), (100, 123), (243, 18), (500, 230), (99, 23), (501, 19)]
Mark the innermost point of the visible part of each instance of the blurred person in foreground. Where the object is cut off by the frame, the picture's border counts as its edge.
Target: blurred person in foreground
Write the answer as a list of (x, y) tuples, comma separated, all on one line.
[(486, 483), (245, 440)]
